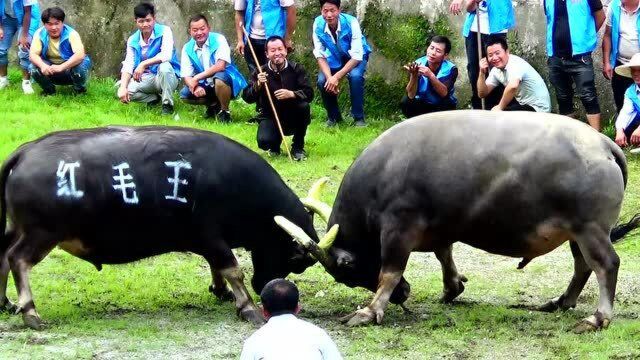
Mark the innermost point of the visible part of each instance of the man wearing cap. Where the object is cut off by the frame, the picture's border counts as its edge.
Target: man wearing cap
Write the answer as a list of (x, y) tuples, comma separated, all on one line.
[(619, 44), (627, 129)]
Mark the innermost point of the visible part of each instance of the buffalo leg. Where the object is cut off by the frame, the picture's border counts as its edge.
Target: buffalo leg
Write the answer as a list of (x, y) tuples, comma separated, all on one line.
[(599, 255), (28, 251), (397, 242), (581, 273), (453, 281), (219, 286), (5, 304)]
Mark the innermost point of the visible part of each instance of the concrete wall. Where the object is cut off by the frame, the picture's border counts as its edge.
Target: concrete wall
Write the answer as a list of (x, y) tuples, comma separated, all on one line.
[(106, 24)]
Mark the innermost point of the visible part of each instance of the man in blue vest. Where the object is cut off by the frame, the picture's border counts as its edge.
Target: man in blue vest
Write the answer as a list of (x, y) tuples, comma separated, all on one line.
[(431, 81), (628, 121), (263, 19), (619, 43), (572, 29), (341, 50), (209, 75), (57, 55), (151, 62), (491, 18), (17, 17)]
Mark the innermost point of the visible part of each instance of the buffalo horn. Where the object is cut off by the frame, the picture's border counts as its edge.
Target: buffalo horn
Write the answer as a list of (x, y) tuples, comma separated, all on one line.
[(317, 251)]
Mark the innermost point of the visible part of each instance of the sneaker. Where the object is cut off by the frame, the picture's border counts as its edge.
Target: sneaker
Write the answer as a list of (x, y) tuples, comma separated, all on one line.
[(298, 154), (359, 123), (27, 89), (331, 123), (212, 110), (4, 82), (224, 116), (167, 108), (273, 153)]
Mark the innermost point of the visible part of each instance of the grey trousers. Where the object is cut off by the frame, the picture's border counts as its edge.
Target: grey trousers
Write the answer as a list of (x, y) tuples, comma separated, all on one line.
[(152, 86)]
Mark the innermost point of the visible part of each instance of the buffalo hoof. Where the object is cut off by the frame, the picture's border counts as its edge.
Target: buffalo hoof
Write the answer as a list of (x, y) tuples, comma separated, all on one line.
[(453, 290), (32, 321), (590, 324), (253, 316), (362, 317), (554, 305), (8, 307), (223, 294)]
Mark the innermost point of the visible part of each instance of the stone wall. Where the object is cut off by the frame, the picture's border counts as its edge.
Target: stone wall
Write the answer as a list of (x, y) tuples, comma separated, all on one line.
[(397, 30)]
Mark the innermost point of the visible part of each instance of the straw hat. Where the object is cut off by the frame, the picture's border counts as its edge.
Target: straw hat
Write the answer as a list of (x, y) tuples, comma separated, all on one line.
[(625, 70)]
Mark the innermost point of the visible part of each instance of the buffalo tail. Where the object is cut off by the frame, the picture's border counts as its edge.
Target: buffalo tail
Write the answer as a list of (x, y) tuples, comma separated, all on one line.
[(620, 230)]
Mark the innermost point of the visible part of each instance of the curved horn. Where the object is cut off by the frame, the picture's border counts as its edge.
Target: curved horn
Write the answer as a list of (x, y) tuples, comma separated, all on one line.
[(312, 201), (317, 251)]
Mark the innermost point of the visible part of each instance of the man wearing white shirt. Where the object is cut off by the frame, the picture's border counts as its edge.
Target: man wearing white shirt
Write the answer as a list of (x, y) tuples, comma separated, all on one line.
[(524, 88), (209, 75), (341, 50), (284, 336), (151, 62), (263, 19), (628, 121)]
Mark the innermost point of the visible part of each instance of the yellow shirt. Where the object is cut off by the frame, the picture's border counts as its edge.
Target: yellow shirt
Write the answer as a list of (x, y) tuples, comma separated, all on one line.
[(53, 51)]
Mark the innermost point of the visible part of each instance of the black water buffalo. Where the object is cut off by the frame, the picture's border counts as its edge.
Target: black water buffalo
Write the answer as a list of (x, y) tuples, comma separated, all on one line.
[(119, 194), (512, 183)]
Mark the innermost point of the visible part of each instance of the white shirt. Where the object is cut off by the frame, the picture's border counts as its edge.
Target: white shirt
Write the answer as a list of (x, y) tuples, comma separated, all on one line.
[(628, 43), (257, 24), (356, 51), (627, 113), (165, 54), (483, 15), (532, 90), (8, 6), (222, 53), (285, 337)]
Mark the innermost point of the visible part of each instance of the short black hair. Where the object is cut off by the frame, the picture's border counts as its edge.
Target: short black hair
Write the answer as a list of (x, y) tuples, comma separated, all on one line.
[(497, 40), (272, 38), (143, 9), (52, 12), (280, 297), (439, 39), (334, 2), (198, 17)]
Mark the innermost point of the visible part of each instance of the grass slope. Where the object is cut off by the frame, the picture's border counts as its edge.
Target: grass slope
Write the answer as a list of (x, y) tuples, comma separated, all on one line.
[(160, 307)]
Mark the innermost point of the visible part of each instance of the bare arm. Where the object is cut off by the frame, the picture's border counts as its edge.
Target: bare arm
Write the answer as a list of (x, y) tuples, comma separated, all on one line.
[(324, 67), (239, 31), (346, 68), (472, 5), (412, 86), (509, 93), (220, 65), (600, 17), (26, 23), (291, 24), (440, 88), (607, 71)]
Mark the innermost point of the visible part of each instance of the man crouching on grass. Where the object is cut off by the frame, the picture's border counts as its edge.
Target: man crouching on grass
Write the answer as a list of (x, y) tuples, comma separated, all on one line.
[(291, 93)]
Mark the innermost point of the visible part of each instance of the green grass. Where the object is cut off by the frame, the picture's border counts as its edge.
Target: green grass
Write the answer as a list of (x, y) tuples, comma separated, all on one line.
[(160, 307)]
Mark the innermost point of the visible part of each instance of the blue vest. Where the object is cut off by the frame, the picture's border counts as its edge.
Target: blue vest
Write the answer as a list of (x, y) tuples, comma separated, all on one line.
[(632, 95), (615, 30), (153, 50), (18, 10), (501, 17), (274, 17), (426, 92), (335, 57), (238, 81), (581, 24), (66, 51)]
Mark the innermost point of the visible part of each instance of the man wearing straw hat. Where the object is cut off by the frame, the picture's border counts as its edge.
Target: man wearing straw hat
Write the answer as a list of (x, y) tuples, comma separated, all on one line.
[(291, 92), (628, 121)]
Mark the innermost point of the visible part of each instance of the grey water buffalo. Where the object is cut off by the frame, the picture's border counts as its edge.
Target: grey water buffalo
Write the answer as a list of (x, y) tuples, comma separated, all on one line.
[(512, 183), (118, 194)]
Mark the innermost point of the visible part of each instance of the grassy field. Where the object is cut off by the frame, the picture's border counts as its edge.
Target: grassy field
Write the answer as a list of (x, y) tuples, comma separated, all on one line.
[(160, 307)]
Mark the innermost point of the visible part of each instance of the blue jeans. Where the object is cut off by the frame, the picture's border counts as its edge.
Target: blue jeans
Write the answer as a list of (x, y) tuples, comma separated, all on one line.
[(77, 76), (11, 29), (356, 90)]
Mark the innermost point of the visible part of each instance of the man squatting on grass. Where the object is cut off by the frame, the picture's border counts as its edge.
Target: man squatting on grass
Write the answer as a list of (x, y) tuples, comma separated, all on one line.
[(284, 336), (208, 72), (628, 121), (150, 61), (291, 93), (21, 18), (431, 81), (524, 88), (57, 55)]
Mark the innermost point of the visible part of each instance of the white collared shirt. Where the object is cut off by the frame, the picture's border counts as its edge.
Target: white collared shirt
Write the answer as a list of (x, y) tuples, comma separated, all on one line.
[(222, 53), (165, 54), (356, 51), (627, 113), (285, 337), (257, 30)]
